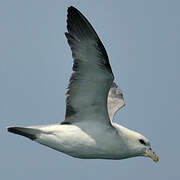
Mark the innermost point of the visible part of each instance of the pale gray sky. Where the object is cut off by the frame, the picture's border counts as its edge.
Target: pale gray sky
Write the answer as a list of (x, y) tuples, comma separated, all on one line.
[(142, 40)]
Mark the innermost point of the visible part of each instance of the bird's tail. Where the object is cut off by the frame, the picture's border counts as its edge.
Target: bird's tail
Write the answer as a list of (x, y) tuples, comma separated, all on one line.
[(25, 131)]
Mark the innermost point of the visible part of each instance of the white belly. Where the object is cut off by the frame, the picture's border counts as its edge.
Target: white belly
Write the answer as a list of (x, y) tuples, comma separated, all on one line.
[(74, 141)]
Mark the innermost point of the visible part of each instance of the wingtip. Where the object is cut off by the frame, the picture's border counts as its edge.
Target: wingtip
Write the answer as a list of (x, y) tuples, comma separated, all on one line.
[(10, 129), (26, 132), (13, 129), (71, 8), (72, 11)]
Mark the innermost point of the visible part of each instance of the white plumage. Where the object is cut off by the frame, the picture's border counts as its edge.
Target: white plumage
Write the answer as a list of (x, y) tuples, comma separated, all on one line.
[(92, 99)]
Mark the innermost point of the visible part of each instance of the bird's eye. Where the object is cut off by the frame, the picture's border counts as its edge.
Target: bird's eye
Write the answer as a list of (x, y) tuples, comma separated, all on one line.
[(142, 141)]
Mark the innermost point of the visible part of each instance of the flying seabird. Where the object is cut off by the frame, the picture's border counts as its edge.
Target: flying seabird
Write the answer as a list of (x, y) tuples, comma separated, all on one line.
[(92, 99)]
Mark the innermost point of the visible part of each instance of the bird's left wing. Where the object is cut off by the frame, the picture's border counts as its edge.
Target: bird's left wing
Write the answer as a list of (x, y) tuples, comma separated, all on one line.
[(115, 100), (92, 75)]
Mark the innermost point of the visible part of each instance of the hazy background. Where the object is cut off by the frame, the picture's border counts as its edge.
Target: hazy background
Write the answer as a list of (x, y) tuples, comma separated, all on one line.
[(142, 39)]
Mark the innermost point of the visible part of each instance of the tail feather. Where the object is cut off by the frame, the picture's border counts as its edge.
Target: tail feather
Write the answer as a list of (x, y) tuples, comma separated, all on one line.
[(27, 132)]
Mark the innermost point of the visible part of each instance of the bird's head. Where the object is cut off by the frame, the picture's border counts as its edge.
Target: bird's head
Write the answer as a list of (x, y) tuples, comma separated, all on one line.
[(146, 149), (142, 147), (137, 144)]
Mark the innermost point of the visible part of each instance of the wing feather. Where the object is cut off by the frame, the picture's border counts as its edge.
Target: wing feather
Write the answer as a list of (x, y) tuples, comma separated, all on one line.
[(115, 100), (86, 97)]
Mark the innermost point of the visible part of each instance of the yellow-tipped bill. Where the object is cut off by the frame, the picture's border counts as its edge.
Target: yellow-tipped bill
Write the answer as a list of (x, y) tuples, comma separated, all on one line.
[(152, 155)]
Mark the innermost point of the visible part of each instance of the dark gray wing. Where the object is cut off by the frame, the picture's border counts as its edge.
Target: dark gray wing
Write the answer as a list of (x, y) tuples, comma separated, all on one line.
[(115, 100), (86, 97)]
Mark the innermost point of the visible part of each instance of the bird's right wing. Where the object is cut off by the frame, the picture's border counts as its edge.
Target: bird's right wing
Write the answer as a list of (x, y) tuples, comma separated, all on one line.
[(115, 100), (92, 77)]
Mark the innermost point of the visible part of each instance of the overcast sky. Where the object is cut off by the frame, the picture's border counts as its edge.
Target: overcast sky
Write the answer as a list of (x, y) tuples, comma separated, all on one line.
[(142, 39)]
